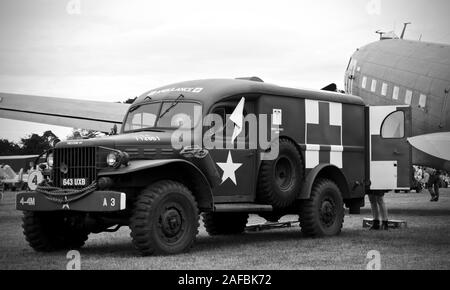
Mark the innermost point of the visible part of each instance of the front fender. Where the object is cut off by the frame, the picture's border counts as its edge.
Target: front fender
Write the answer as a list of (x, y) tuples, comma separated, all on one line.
[(202, 189), (138, 165)]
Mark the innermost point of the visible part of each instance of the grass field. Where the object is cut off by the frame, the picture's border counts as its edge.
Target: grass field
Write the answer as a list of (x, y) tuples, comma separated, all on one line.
[(424, 244)]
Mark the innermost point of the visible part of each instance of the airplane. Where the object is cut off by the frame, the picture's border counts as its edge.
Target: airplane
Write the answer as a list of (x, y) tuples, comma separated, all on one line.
[(397, 71)]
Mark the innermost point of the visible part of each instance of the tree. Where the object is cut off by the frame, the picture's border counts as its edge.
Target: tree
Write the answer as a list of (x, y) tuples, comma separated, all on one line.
[(36, 144), (9, 148)]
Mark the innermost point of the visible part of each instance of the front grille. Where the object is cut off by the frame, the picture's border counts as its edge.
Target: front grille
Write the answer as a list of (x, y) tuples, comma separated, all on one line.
[(74, 164)]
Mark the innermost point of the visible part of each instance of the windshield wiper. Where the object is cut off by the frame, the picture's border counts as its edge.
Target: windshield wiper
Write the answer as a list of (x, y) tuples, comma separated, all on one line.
[(174, 103)]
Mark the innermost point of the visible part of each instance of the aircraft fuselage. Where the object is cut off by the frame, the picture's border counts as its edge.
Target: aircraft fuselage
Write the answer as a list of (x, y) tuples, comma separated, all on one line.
[(403, 72)]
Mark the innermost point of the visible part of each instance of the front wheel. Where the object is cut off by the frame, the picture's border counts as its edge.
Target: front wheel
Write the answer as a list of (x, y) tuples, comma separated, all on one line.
[(164, 219), (52, 231), (323, 213)]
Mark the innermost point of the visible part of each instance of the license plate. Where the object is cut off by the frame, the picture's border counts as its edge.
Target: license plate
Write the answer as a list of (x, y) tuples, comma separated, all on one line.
[(75, 181)]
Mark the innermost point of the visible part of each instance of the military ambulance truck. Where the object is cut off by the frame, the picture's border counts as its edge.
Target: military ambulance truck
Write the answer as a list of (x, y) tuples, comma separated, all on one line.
[(191, 149)]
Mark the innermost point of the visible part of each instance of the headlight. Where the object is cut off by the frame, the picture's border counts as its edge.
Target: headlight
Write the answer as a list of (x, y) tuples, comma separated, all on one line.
[(117, 158), (50, 160), (112, 159)]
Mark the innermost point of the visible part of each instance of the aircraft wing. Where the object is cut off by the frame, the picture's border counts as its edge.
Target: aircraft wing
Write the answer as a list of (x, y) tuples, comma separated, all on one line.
[(99, 116), (437, 144)]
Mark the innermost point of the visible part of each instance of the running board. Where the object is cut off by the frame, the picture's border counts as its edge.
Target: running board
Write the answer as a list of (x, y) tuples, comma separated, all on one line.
[(242, 207)]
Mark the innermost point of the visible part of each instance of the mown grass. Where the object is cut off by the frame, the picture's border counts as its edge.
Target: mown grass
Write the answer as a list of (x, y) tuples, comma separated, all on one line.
[(425, 244)]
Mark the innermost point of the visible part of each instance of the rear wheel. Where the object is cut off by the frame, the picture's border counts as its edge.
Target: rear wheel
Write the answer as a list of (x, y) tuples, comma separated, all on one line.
[(323, 213), (224, 223), (164, 219), (51, 231)]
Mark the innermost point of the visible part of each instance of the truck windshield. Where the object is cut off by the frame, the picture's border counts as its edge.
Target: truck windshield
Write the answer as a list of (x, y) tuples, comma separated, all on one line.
[(183, 114)]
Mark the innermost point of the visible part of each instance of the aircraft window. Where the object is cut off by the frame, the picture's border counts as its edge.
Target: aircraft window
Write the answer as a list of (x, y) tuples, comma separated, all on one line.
[(422, 101), (374, 85), (395, 93), (393, 126), (408, 97), (364, 82), (384, 89)]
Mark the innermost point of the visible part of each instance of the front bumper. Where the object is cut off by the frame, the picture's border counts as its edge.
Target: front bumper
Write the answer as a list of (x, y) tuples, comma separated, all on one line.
[(97, 201)]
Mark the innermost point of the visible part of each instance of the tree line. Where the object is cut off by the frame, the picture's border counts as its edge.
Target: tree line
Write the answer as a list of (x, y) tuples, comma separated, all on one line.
[(32, 145)]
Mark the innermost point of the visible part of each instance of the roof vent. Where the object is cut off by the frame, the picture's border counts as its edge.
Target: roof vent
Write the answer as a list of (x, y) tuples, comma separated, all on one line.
[(253, 79), (331, 88)]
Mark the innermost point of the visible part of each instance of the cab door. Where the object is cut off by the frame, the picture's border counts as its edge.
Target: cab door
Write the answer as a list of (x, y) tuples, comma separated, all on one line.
[(236, 165), (390, 153)]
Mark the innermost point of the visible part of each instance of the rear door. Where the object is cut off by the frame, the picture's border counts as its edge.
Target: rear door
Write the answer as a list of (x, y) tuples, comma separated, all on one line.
[(390, 154)]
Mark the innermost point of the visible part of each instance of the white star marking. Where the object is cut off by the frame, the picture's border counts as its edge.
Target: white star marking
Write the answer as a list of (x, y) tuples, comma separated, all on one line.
[(229, 168)]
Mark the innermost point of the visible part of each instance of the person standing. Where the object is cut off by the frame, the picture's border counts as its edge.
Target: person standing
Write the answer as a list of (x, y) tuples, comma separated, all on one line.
[(434, 182), (379, 211)]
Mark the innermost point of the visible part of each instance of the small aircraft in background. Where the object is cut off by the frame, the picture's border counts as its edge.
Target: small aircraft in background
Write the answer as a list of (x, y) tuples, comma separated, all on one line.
[(396, 71)]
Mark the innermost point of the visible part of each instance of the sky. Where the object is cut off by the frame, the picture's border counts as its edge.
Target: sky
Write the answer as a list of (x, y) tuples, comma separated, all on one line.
[(114, 50)]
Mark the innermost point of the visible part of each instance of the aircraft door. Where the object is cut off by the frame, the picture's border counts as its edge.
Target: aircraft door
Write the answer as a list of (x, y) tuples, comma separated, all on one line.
[(350, 76), (390, 153)]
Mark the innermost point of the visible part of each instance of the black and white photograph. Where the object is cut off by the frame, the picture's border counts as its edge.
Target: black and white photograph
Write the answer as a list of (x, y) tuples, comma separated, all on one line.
[(225, 140)]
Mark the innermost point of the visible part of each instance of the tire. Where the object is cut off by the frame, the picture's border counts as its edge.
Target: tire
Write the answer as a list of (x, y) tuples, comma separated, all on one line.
[(279, 180), (224, 223), (49, 231), (164, 219), (323, 213)]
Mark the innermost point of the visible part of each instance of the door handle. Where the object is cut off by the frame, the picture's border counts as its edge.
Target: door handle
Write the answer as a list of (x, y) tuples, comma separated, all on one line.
[(396, 152)]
